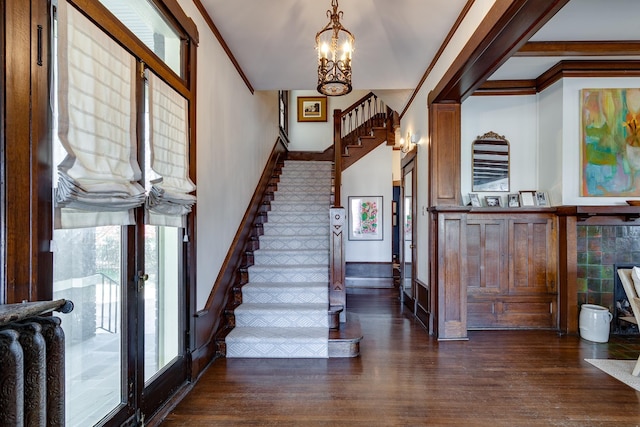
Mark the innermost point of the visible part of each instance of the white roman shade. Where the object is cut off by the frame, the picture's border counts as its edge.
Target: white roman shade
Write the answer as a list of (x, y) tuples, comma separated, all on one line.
[(169, 200), (97, 181)]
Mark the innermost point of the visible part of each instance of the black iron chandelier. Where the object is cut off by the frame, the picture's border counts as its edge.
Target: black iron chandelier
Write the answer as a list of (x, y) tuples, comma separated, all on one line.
[(334, 44)]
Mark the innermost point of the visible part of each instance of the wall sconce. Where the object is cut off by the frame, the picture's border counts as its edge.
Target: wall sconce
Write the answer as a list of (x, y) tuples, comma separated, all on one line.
[(407, 144)]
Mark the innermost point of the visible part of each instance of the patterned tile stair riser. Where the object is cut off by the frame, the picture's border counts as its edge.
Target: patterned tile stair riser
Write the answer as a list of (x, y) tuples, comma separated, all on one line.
[(285, 303)]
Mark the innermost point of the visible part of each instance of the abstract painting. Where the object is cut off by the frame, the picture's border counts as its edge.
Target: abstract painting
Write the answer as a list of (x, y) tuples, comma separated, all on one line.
[(365, 218), (610, 142)]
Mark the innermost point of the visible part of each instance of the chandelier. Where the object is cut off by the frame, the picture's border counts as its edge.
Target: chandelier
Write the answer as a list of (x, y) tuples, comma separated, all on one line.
[(334, 44)]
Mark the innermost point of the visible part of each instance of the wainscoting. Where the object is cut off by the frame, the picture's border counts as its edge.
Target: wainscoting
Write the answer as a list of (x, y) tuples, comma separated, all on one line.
[(369, 275)]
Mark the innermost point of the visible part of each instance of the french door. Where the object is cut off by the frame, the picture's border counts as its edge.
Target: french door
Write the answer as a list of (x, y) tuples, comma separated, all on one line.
[(126, 346)]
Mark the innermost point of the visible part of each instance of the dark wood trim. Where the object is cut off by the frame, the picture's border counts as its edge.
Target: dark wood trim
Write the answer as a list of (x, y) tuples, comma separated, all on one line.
[(507, 87), (444, 157), (3, 148), (580, 48), (423, 302), (506, 27), (174, 10), (20, 180), (223, 43), (208, 321), (566, 68), (435, 59), (628, 68), (41, 153)]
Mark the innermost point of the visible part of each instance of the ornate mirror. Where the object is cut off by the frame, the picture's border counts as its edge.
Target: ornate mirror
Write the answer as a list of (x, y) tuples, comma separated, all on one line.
[(490, 163)]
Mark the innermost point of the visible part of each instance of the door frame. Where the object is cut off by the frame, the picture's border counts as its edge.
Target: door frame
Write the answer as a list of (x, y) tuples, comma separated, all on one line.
[(409, 164)]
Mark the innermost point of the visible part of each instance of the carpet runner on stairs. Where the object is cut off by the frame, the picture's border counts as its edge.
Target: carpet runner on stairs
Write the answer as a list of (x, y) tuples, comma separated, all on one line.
[(284, 310)]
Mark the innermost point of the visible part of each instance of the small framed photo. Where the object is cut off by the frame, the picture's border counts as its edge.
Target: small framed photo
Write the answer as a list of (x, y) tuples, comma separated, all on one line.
[(312, 108), (542, 199), (475, 200), (527, 198), (514, 200), (493, 201)]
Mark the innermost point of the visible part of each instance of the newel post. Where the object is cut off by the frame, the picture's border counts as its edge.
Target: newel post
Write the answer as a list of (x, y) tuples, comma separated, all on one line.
[(337, 287)]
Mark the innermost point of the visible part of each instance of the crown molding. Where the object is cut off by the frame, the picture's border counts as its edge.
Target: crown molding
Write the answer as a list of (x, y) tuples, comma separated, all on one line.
[(580, 48)]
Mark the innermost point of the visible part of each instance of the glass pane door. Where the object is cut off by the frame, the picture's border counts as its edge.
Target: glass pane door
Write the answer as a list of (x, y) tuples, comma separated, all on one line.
[(162, 323), (88, 271), (407, 235)]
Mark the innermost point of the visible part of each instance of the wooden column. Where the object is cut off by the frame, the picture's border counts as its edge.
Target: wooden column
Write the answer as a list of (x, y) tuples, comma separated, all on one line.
[(444, 154)]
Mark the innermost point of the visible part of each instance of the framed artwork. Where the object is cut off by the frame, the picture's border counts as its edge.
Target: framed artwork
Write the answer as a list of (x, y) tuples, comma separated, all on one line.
[(609, 142), (493, 201), (475, 200), (514, 200), (365, 218), (312, 108), (542, 199), (527, 198)]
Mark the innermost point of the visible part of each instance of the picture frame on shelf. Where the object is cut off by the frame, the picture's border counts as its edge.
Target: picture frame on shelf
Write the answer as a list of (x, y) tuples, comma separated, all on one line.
[(312, 108), (365, 217), (475, 200), (542, 199), (527, 198), (493, 201), (514, 200)]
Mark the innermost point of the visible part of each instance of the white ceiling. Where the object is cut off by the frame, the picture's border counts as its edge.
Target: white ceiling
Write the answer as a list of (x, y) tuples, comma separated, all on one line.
[(273, 41)]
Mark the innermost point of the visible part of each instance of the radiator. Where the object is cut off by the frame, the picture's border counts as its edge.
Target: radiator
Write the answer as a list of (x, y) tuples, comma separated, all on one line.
[(32, 364)]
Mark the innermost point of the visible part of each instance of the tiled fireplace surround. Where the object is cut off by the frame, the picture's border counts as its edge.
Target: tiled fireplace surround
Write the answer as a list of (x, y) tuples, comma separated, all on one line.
[(599, 248)]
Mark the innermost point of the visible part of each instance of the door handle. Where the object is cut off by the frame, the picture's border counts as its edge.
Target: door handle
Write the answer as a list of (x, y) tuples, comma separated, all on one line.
[(141, 277)]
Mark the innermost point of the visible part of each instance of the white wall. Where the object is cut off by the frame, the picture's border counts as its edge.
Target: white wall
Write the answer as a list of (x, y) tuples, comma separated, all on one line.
[(316, 136), (371, 176), (235, 133), (415, 120), (514, 117), (550, 149), (571, 137)]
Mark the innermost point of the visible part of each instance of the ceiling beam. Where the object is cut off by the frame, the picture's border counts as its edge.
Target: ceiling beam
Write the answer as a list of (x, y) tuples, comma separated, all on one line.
[(567, 68), (580, 48), (506, 28)]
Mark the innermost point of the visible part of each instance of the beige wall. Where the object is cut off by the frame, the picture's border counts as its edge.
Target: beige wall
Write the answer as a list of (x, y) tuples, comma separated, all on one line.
[(235, 133)]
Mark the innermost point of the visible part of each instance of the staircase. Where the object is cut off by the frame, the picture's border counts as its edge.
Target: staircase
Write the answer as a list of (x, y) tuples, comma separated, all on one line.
[(285, 304)]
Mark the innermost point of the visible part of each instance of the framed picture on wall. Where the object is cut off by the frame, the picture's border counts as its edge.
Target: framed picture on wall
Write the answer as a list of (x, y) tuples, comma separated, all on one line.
[(312, 108), (365, 218)]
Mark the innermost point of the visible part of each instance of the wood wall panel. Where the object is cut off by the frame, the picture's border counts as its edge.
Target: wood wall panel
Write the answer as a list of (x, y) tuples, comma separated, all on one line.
[(452, 289), (444, 171)]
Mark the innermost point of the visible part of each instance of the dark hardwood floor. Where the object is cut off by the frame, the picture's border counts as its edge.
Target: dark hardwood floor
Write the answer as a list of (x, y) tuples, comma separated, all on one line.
[(406, 378)]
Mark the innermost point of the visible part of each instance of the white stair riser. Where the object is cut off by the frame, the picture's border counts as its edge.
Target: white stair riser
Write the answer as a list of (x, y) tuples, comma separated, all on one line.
[(278, 342), (272, 229), (271, 293), (285, 242), (275, 217), (270, 318), (302, 207), (321, 199), (261, 274), (272, 257)]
